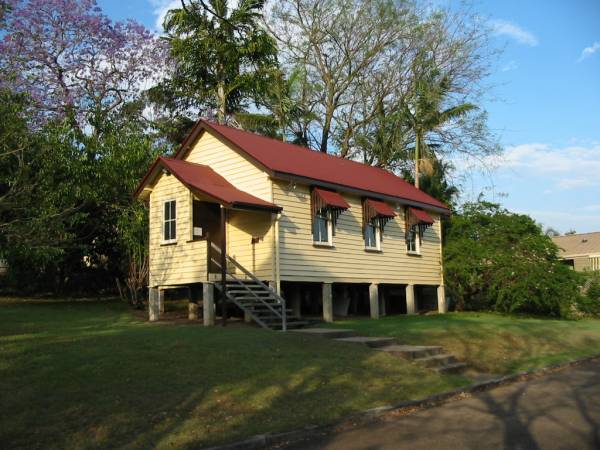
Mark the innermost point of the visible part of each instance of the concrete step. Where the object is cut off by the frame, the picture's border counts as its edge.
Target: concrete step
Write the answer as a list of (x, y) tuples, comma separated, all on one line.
[(368, 340), (412, 351), (455, 367), (330, 333), (440, 360)]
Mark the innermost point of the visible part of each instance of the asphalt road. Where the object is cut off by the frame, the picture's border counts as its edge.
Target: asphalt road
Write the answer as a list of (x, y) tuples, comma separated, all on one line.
[(557, 411)]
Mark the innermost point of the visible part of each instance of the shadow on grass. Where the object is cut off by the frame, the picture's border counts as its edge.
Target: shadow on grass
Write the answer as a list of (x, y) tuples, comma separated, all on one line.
[(91, 376)]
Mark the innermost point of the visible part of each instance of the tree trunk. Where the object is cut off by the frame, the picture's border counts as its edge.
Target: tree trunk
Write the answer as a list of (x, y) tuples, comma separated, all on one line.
[(221, 103), (417, 157)]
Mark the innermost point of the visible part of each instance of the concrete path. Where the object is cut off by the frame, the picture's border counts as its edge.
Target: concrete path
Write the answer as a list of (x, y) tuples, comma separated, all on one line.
[(558, 411)]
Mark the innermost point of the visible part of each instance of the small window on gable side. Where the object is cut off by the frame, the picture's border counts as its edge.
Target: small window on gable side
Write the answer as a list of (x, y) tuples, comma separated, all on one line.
[(169, 222)]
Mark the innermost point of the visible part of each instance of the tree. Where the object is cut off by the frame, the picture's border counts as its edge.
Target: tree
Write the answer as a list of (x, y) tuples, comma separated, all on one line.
[(358, 58), (423, 108), (73, 61), (340, 44), (570, 232), (62, 213), (501, 261), (436, 183), (223, 57), (551, 232)]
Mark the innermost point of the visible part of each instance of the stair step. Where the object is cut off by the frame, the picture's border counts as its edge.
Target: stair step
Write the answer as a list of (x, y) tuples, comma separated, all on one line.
[(451, 368), (367, 340), (245, 292), (331, 333), (440, 360), (412, 351)]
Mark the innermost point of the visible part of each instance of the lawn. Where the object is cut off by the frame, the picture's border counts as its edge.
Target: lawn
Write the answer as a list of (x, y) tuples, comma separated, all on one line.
[(489, 342), (79, 375)]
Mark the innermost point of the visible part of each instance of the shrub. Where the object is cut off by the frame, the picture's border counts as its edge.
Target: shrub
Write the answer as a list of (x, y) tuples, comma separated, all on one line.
[(501, 261)]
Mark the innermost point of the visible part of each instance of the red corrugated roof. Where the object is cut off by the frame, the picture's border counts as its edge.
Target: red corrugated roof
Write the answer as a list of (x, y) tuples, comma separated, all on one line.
[(205, 180), (332, 199), (421, 215), (381, 209), (291, 159)]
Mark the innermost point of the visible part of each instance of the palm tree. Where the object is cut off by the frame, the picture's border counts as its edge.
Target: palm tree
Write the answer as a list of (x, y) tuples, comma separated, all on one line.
[(222, 55), (422, 108)]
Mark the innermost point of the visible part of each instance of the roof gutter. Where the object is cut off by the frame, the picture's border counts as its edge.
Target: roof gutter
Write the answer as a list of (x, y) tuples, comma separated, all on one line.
[(361, 192)]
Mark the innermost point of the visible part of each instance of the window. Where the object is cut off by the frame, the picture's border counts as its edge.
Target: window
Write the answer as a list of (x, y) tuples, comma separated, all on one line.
[(412, 240), (170, 222), (372, 237), (322, 229)]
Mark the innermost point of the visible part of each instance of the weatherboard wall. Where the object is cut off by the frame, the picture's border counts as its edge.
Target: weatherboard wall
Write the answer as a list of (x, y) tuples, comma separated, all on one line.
[(182, 262), (348, 261)]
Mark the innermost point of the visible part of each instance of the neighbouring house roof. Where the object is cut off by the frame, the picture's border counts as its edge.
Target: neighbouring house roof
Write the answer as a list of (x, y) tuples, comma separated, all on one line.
[(204, 180), (578, 244), (284, 160)]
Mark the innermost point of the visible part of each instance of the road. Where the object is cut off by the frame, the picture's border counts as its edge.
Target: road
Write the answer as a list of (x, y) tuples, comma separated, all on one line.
[(558, 411)]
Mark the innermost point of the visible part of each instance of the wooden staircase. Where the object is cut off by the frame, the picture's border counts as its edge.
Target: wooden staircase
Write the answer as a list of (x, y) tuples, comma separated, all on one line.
[(265, 306)]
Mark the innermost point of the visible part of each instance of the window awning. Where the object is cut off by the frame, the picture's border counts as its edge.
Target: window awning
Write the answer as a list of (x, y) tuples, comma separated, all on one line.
[(379, 209), (322, 199), (330, 199), (420, 217), (375, 211)]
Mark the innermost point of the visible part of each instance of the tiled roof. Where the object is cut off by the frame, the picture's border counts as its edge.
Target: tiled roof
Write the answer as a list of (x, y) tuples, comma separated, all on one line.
[(578, 244), (204, 180), (281, 158)]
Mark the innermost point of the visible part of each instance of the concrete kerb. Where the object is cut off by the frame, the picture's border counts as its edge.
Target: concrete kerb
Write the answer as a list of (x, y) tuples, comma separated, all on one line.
[(309, 431)]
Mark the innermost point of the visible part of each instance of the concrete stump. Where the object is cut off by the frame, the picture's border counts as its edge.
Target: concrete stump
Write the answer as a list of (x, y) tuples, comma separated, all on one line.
[(410, 299), (441, 295), (327, 302), (153, 305), (161, 300), (374, 300), (208, 304)]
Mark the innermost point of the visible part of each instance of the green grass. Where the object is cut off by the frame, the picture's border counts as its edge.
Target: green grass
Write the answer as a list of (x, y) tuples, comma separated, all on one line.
[(491, 342), (79, 375)]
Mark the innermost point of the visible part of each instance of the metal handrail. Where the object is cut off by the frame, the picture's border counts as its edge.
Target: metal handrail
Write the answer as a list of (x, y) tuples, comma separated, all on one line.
[(280, 300)]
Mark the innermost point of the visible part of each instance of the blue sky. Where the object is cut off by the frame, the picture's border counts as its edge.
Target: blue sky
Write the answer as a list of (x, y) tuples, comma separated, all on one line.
[(544, 105)]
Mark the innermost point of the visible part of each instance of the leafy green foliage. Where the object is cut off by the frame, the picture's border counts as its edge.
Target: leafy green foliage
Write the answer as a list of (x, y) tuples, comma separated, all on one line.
[(501, 261), (223, 57), (63, 196), (589, 303), (424, 109)]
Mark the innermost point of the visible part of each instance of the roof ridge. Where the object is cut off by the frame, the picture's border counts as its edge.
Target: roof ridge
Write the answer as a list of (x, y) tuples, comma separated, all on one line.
[(576, 234)]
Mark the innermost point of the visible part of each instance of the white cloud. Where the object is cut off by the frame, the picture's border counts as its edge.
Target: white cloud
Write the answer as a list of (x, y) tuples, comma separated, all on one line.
[(160, 11), (514, 31), (566, 167), (589, 51), (511, 65)]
